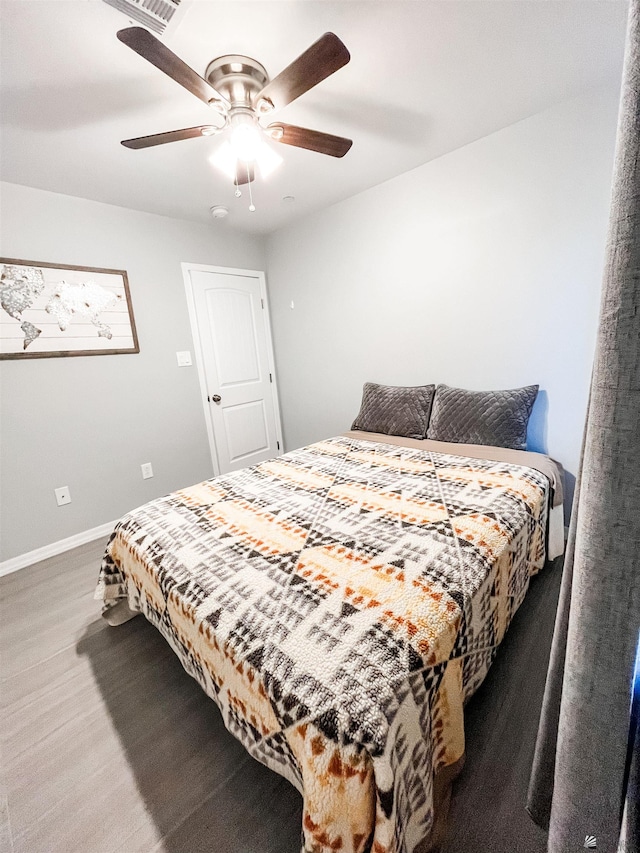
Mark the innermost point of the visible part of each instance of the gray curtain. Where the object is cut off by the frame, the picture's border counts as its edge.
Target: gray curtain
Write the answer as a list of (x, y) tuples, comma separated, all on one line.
[(578, 781)]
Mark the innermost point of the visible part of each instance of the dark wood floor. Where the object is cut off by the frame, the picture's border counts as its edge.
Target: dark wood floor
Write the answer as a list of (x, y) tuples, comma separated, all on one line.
[(107, 745)]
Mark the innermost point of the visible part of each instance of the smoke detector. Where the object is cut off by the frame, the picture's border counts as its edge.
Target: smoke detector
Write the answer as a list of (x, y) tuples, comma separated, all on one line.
[(219, 211), (155, 15)]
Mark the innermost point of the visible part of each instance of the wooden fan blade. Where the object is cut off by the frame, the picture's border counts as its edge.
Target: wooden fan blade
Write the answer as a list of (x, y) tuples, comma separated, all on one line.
[(318, 62), (314, 140), (155, 52), (169, 136)]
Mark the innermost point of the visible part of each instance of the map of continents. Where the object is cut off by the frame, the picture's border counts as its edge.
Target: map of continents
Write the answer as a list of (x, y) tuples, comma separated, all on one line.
[(21, 286)]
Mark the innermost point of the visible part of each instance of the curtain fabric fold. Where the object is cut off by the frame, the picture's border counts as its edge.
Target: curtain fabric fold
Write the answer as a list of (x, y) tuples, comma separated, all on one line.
[(578, 780)]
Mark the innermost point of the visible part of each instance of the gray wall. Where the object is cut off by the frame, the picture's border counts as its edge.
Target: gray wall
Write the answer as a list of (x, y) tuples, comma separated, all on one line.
[(89, 422), (480, 269)]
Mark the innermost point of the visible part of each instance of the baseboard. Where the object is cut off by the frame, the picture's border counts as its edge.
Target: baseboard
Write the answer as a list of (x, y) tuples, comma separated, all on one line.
[(55, 548)]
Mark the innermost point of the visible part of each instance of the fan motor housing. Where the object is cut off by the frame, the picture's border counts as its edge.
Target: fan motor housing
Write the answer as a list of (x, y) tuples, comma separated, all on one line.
[(238, 78)]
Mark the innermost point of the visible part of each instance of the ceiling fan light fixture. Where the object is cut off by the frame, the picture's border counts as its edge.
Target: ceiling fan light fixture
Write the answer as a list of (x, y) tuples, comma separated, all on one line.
[(267, 160), (246, 140), (225, 160)]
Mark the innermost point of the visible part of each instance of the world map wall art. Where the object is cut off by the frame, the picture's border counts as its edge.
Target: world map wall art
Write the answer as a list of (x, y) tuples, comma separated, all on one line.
[(48, 310)]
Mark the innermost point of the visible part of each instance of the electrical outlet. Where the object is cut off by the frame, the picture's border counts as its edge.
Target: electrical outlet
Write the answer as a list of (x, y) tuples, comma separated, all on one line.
[(63, 495), (147, 470)]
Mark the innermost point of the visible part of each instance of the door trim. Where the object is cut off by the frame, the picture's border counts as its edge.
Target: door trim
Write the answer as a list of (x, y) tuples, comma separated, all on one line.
[(197, 346)]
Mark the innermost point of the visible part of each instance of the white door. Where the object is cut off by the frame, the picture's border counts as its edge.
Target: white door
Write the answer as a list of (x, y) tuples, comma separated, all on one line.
[(233, 351)]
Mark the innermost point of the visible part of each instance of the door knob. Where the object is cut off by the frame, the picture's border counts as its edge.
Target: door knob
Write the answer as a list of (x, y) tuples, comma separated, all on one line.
[(215, 398)]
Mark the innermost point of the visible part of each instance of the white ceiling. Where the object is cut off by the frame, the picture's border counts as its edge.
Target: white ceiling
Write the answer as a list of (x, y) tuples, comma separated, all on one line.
[(424, 78)]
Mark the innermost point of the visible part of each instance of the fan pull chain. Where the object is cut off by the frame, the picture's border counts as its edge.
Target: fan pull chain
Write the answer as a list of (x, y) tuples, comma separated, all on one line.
[(238, 191), (252, 206)]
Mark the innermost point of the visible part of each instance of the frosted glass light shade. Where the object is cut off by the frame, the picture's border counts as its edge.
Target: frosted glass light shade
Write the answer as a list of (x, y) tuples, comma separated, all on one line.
[(225, 159), (246, 140)]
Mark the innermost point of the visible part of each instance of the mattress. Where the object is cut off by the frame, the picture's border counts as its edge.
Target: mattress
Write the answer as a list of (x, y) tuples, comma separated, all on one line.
[(340, 604)]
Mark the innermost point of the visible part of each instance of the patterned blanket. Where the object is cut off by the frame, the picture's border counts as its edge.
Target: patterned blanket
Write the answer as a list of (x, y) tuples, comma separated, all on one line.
[(339, 604)]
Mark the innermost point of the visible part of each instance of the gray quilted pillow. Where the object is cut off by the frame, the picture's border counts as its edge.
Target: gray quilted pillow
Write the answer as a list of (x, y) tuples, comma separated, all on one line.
[(395, 411), (496, 418)]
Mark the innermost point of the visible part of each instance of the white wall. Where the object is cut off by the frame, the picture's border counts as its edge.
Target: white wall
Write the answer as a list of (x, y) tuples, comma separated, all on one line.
[(480, 269), (89, 422)]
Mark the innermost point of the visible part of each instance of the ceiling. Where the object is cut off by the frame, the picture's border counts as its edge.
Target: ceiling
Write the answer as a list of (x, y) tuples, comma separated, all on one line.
[(425, 78)]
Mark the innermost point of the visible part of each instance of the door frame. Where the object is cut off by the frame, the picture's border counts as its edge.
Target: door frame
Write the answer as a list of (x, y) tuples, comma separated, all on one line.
[(197, 346)]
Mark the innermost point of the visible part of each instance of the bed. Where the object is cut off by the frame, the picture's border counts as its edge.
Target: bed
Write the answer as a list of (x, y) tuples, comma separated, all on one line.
[(340, 604)]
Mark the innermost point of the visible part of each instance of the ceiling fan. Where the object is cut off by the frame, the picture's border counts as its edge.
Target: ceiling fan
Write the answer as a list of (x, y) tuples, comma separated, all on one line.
[(240, 92)]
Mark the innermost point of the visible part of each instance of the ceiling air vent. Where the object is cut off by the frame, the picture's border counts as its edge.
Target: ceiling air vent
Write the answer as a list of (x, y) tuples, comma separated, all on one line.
[(155, 15)]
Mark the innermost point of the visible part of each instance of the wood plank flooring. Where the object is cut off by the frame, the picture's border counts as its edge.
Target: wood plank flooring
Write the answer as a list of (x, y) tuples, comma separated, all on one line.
[(107, 746)]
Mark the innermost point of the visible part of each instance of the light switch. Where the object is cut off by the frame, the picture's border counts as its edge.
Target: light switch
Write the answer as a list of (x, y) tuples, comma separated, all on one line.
[(184, 358)]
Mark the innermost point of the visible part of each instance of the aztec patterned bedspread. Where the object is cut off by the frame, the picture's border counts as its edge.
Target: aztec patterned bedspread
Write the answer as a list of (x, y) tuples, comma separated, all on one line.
[(339, 604)]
